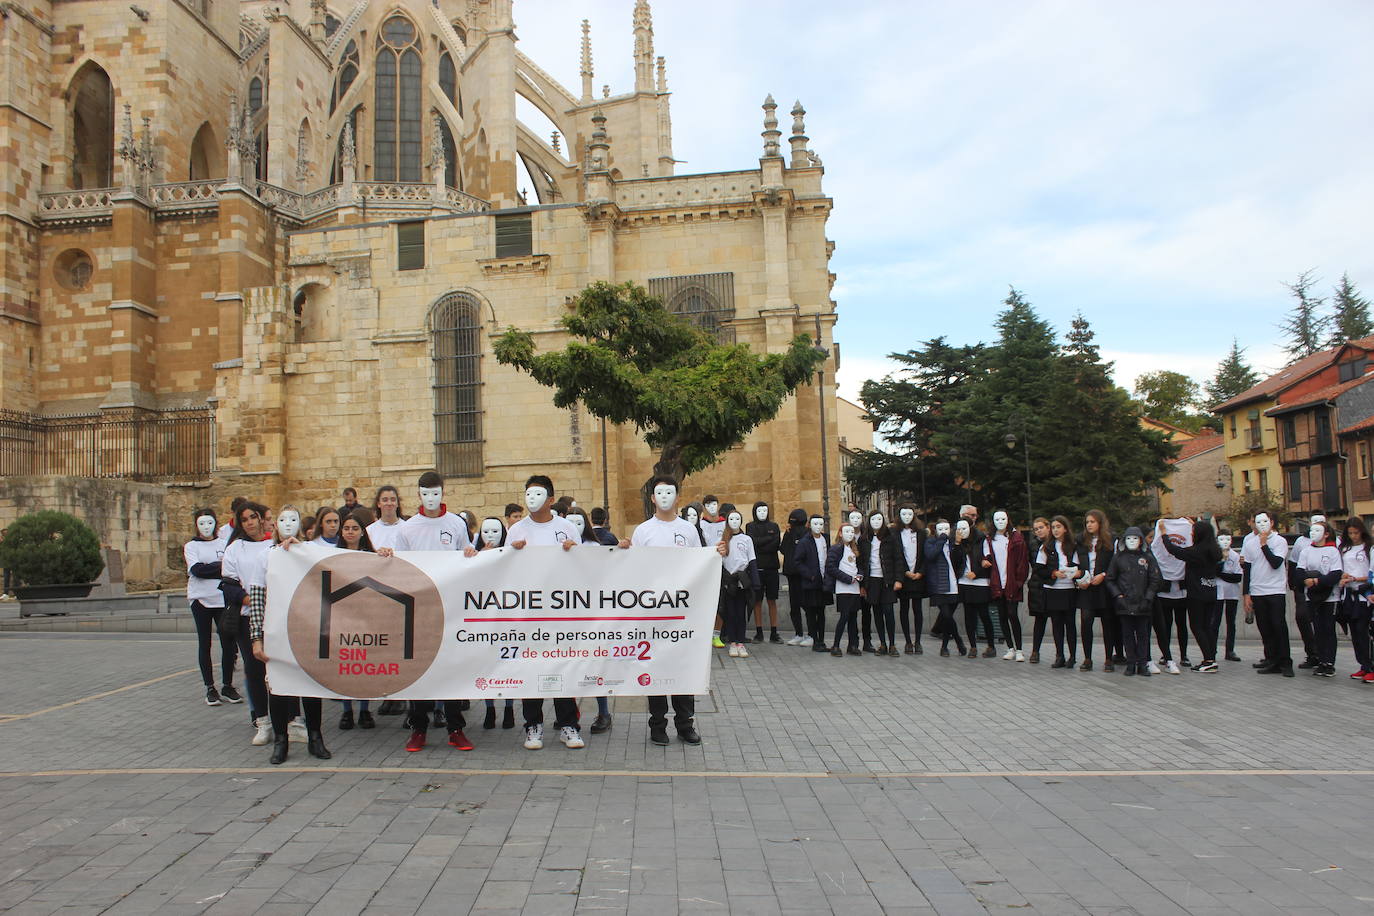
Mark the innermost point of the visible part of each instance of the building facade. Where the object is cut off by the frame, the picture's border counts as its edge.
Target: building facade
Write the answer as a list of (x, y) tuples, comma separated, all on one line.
[(263, 249)]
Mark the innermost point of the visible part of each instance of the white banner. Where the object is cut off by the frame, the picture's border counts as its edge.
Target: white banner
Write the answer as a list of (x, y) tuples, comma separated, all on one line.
[(537, 622), (1178, 530)]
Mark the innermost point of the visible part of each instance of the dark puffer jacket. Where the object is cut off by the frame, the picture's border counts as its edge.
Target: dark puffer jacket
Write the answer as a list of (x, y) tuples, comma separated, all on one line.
[(796, 530), (1133, 578)]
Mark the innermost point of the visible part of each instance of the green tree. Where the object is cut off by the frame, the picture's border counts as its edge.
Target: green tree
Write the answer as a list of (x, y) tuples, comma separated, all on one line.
[(632, 361), (1349, 313), (1234, 375), (51, 548), (1169, 396), (1304, 329)]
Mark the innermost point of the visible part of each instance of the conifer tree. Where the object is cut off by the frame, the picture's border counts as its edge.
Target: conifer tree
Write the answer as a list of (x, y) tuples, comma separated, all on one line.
[(1234, 375), (1349, 313), (1304, 330)]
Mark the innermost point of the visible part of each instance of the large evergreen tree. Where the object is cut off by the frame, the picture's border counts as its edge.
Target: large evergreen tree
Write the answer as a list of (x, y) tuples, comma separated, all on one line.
[(1349, 313), (1304, 330), (1234, 375)]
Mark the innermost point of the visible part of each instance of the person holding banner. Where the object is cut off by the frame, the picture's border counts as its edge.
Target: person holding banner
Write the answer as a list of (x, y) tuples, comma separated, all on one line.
[(1263, 553), (327, 522), (353, 535), (1171, 604), (666, 529), (243, 566), (1202, 561), (386, 508), (492, 536), (542, 528)]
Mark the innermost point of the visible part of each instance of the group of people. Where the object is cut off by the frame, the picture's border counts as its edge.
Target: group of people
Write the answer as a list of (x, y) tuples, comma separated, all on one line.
[(227, 589)]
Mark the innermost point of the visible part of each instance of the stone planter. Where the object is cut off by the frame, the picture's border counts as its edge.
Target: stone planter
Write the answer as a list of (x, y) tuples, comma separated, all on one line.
[(71, 590)]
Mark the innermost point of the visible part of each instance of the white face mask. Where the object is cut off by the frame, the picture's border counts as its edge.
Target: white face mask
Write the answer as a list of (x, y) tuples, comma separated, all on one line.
[(535, 497), (999, 519), (906, 515), (431, 498), (665, 497), (577, 522), (1132, 543), (736, 521), (288, 524), (942, 529), (875, 521), (761, 513), (847, 534), (1225, 541), (1318, 520), (205, 524), (711, 509), (818, 526), (1262, 523), (856, 519), (962, 528), (491, 532), (691, 515), (1318, 533)]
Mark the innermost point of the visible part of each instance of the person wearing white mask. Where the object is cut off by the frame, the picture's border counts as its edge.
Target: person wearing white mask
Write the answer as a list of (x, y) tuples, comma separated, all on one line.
[(973, 563), (739, 582), (1132, 581), (1229, 579), (1010, 569), (491, 535), (844, 579), (796, 531), (767, 538), (1321, 574), (1263, 589), (856, 518), (1301, 611), (911, 579), (810, 557), (942, 584), (880, 567), (203, 555)]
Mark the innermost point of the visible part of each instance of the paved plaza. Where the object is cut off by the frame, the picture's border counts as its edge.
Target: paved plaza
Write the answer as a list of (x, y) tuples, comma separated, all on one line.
[(907, 785)]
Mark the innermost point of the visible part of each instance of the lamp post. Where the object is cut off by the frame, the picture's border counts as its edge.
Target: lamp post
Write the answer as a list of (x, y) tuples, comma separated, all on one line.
[(825, 458), (1010, 440)]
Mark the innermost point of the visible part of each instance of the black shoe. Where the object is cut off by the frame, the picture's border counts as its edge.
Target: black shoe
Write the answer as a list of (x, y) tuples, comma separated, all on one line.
[(440, 720), (1035, 658), (919, 650), (1262, 663), (1058, 662), (1232, 657), (944, 653), (882, 649), (688, 735), (910, 649), (972, 653), (508, 717), (211, 696), (855, 650), (315, 744), (365, 719), (1326, 671), (837, 652), (868, 647), (1108, 666), (1269, 669), (280, 745), (1184, 662), (1286, 670), (489, 721), (346, 720), (1087, 665), (659, 736), (230, 694), (601, 724), (774, 636), (1143, 671), (1118, 659), (758, 636), (1310, 663), (1129, 672), (391, 708), (819, 647)]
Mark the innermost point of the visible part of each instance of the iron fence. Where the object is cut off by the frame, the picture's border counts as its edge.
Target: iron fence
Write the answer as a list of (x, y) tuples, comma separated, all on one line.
[(167, 446)]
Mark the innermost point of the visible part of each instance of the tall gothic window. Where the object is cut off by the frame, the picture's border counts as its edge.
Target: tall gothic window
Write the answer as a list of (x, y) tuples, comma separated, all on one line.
[(398, 111), (450, 156), (448, 77), (456, 340), (706, 300), (348, 72), (255, 95), (93, 128)]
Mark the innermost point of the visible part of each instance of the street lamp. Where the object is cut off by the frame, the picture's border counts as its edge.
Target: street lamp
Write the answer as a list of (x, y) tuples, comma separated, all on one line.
[(1010, 440), (820, 391)]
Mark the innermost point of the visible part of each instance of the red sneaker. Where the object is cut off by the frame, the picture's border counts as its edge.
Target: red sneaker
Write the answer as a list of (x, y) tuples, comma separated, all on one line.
[(416, 742), (1358, 675), (457, 739), (1369, 678)]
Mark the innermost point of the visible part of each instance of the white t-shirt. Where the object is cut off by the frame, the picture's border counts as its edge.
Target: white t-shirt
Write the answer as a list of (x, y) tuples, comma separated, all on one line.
[(543, 534), (1264, 579), (1355, 563), (819, 543), (849, 563), (909, 545), (1064, 564), (741, 552), (975, 565), (1229, 591), (875, 558), (654, 532), (1318, 561), (224, 531), (1000, 543), (206, 591), (953, 587), (712, 531), (383, 535), (246, 561), (420, 532)]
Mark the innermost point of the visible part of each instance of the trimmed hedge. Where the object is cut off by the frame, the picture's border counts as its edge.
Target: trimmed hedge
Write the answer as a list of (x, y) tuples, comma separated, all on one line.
[(51, 548)]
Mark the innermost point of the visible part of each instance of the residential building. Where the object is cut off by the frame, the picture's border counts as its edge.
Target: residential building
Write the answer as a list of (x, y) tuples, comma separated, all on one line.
[(1312, 454)]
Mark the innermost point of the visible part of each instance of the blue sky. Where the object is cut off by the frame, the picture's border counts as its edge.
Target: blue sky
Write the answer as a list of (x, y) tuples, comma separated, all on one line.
[(1163, 167)]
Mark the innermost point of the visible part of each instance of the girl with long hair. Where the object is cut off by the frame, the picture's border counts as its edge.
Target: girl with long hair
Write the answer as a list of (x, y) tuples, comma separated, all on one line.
[(327, 522), (844, 580), (910, 538), (243, 568), (880, 567), (1355, 581), (386, 509), (1094, 557), (972, 563), (1056, 559), (943, 584), (1036, 581), (1201, 563), (1010, 567), (353, 535), (578, 516), (203, 555), (741, 580)]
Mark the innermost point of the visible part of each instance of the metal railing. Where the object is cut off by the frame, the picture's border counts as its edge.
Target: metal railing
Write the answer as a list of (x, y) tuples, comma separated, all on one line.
[(163, 446)]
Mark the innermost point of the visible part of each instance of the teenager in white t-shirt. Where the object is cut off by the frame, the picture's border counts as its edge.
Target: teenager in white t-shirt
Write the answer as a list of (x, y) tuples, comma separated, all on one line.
[(1263, 553), (542, 528), (387, 510), (203, 554)]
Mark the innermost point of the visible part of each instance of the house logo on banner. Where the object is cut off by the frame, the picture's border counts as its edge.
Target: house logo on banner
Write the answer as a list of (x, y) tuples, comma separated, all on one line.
[(365, 626)]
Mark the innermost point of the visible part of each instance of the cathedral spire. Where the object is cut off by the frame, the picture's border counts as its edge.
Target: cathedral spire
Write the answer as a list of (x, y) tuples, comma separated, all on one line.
[(644, 47), (600, 147), (662, 75), (800, 159), (587, 72), (770, 128)]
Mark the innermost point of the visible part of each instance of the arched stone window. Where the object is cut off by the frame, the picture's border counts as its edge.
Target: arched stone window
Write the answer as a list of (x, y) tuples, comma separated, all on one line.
[(398, 114), (331, 25), (456, 342), (91, 97), (348, 72), (448, 77), (255, 95), (451, 176), (205, 161), (707, 300)]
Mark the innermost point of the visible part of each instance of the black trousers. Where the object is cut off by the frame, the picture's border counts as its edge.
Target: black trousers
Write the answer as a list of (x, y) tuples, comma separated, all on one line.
[(1270, 609), (815, 622), (207, 619), (453, 711), (1359, 612), (972, 614), (885, 615), (910, 610), (866, 614), (1324, 629), (949, 629), (1304, 618), (1065, 629), (564, 712), (1200, 613), (1170, 613), (847, 610), (1010, 614), (1135, 638), (1038, 631), (284, 709), (254, 674), (684, 708), (796, 607), (735, 618), (1225, 607)]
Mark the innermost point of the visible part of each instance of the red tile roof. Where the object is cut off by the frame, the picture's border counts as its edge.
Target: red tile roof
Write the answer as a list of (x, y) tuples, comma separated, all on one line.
[(1320, 396), (1359, 427), (1194, 447), (1291, 374)]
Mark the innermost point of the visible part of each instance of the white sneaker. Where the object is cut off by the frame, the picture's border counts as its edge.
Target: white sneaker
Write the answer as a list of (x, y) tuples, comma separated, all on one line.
[(264, 735), (570, 738), (743, 652), (1173, 667), (295, 731), (734, 650), (1019, 656), (1009, 654), (807, 641), (797, 640), (1152, 667), (534, 737)]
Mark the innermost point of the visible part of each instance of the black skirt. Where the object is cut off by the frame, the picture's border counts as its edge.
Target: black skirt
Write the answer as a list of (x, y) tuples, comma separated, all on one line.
[(975, 594), (1059, 600)]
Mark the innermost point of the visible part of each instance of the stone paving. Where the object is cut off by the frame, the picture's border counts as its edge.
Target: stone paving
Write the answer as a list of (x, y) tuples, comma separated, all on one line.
[(908, 785)]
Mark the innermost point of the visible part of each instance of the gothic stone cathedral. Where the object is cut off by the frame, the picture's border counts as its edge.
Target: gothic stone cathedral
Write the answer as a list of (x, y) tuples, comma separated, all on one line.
[(262, 249)]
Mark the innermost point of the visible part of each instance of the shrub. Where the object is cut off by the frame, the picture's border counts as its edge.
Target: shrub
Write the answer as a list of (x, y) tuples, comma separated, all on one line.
[(51, 548)]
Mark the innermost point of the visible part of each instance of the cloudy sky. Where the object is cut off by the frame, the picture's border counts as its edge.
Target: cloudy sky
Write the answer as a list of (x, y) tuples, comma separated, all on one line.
[(1162, 167)]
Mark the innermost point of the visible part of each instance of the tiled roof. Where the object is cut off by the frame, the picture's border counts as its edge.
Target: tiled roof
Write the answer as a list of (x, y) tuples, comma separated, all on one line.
[(1194, 447), (1361, 426), (1321, 395), (1290, 375)]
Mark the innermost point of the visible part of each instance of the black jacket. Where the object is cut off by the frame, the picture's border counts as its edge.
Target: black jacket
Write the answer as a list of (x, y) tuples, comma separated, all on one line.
[(796, 528), (1200, 568), (911, 588), (889, 558), (1133, 580), (833, 553), (937, 572), (767, 540), (808, 564), (1094, 597), (1038, 576), (969, 555)]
